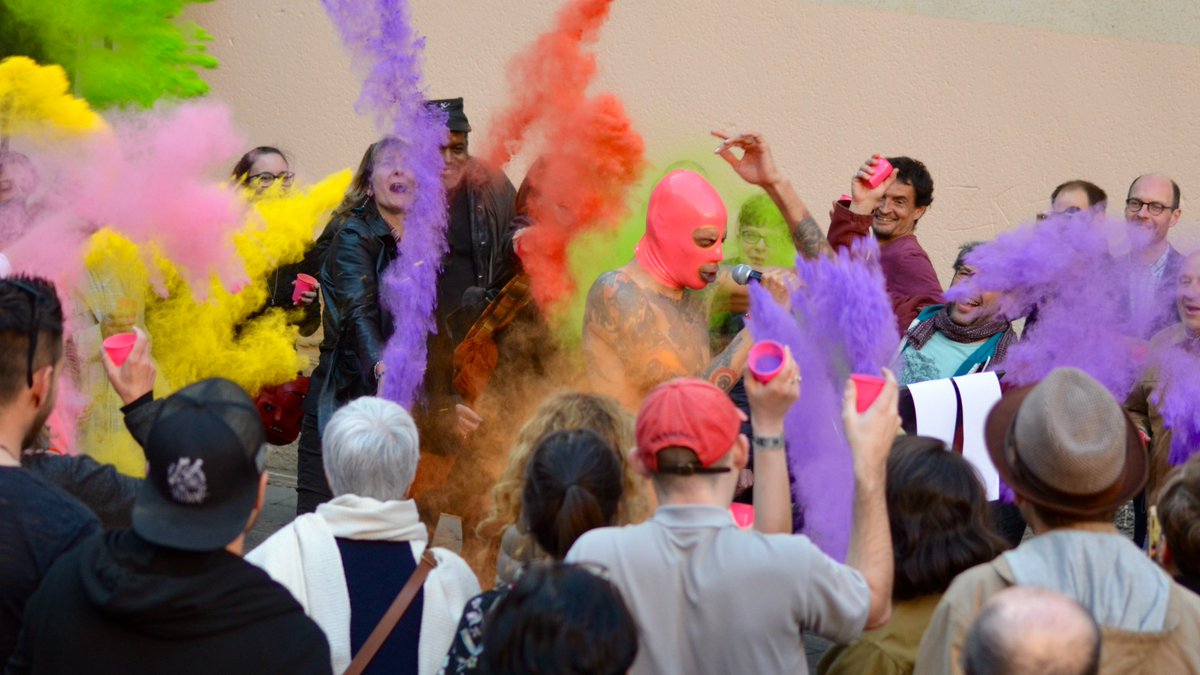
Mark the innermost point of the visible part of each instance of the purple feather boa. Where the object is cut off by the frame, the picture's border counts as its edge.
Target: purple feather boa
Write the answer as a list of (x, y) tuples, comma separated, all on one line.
[(841, 322), (383, 41)]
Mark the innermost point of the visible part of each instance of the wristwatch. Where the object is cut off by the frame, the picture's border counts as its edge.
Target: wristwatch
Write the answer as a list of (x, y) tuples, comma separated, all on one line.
[(770, 443)]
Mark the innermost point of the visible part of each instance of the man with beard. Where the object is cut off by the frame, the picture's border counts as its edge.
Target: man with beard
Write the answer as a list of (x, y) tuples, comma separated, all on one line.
[(959, 337), (38, 522), (646, 322), (1152, 209)]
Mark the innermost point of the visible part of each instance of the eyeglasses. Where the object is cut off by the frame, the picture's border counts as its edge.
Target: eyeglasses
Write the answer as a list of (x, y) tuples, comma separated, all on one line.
[(35, 297), (751, 236), (1153, 208), (266, 178)]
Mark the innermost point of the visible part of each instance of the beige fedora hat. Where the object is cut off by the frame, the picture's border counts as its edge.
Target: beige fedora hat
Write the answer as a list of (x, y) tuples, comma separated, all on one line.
[(1067, 445)]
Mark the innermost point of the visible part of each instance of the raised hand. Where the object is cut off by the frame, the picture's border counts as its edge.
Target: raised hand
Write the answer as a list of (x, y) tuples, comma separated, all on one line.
[(863, 197), (756, 165)]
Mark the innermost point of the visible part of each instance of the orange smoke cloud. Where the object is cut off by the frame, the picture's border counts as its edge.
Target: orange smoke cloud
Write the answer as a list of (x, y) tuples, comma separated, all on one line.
[(591, 155)]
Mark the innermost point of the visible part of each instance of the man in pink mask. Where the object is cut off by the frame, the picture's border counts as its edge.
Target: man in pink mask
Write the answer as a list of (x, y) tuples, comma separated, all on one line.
[(647, 322)]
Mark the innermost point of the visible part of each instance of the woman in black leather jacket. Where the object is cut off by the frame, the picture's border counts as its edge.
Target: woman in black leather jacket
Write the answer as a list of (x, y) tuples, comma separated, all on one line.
[(362, 241)]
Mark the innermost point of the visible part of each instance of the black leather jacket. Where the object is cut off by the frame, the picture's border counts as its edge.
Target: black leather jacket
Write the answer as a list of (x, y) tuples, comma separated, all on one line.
[(493, 222), (356, 324), (490, 197)]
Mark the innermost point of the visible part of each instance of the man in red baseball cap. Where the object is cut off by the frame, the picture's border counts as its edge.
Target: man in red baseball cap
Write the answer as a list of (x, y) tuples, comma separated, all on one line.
[(709, 597)]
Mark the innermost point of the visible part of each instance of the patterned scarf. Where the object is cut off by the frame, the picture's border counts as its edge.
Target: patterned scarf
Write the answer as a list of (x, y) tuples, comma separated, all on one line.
[(941, 322)]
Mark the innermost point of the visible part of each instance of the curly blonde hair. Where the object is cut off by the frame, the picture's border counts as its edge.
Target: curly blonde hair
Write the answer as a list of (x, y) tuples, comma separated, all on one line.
[(560, 412)]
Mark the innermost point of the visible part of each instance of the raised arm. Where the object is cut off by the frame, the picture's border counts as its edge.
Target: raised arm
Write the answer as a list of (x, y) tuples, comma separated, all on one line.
[(757, 167), (769, 405), (870, 435)]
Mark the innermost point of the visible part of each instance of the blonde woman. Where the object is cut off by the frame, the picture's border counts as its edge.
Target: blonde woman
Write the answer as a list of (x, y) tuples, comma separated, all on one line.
[(563, 411)]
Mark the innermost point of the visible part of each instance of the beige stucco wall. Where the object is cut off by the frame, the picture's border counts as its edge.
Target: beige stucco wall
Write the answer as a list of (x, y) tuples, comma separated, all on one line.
[(1002, 100)]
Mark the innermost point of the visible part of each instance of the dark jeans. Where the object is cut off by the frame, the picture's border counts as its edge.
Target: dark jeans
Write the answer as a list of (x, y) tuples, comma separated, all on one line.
[(311, 487)]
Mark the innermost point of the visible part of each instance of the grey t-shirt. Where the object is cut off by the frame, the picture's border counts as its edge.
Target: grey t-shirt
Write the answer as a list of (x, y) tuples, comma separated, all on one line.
[(711, 598)]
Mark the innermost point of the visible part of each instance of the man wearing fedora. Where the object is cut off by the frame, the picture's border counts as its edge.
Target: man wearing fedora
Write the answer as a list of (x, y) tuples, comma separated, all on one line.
[(1072, 456)]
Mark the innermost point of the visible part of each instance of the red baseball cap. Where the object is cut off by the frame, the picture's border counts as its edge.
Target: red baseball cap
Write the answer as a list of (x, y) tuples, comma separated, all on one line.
[(687, 413)]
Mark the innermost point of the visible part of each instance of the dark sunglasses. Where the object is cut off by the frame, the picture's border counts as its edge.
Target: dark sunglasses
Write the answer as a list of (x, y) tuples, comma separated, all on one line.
[(35, 297)]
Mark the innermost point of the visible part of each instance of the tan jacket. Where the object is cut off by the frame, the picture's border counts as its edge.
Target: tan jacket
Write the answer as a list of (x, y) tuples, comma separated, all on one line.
[(1147, 416), (1174, 650)]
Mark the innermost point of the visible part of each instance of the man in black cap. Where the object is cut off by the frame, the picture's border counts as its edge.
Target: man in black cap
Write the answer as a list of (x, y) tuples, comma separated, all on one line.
[(1072, 456), (479, 263), (172, 594)]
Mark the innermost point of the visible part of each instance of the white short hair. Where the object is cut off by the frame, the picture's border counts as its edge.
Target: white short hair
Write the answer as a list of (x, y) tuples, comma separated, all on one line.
[(370, 449)]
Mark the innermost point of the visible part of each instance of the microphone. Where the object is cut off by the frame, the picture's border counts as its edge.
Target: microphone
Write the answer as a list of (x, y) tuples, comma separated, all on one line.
[(742, 274)]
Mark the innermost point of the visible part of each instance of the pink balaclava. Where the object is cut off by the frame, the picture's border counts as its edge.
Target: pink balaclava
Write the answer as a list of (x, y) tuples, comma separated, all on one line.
[(681, 203)]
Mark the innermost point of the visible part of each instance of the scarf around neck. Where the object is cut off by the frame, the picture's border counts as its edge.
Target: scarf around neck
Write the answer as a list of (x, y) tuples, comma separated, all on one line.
[(355, 517), (941, 322)]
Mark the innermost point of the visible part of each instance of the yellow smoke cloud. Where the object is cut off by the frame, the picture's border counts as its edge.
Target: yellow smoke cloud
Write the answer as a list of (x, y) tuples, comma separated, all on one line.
[(218, 337), (111, 298), (34, 99)]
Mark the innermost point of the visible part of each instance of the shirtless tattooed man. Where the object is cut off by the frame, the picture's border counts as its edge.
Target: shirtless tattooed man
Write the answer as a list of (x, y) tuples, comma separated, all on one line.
[(647, 322)]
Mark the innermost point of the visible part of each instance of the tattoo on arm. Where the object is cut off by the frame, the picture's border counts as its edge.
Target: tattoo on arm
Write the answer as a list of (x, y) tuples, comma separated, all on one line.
[(810, 242), (721, 371)]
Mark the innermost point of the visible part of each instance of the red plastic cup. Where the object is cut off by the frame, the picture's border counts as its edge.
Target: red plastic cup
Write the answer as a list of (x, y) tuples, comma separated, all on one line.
[(883, 169), (743, 514), (766, 360), (119, 346), (304, 284), (867, 388)]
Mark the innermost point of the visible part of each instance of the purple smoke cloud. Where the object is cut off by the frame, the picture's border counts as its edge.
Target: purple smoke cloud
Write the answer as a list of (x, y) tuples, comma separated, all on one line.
[(383, 41), (1178, 397), (1077, 275), (841, 322)]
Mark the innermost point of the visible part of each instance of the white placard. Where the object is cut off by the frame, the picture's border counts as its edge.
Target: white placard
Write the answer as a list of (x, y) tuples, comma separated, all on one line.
[(937, 409), (979, 393)]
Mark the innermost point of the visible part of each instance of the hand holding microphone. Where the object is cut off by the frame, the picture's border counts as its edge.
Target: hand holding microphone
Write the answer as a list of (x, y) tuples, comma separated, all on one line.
[(743, 273), (775, 280)]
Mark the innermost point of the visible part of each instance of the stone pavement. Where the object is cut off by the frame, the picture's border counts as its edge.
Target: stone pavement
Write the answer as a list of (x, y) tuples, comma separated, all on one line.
[(281, 495)]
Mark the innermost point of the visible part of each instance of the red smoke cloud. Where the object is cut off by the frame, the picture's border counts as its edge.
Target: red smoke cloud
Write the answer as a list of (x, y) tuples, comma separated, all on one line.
[(591, 155)]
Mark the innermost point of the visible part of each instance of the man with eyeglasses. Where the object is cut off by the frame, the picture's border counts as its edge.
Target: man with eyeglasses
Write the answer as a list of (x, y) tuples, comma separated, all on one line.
[(1151, 210), (38, 521)]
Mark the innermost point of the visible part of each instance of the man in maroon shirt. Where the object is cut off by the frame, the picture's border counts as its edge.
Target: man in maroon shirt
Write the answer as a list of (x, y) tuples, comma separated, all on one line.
[(891, 210)]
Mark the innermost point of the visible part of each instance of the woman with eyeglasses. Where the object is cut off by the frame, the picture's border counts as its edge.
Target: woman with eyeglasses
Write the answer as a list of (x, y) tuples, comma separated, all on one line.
[(356, 247), (262, 168), (264, 172), (572, 484)]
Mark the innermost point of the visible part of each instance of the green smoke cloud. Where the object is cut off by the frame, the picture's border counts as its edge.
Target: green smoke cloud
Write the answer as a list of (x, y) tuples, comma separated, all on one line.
[(117, 52)]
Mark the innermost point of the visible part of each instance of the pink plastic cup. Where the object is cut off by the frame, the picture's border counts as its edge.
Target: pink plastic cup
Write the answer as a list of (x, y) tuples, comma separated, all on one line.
[(304, 284), (868, 388), (766, 360), (883, 169), (743, 514), (119, 346)]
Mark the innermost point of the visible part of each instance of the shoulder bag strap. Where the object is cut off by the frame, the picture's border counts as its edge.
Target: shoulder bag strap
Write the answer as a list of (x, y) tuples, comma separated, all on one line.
[(391, 617)]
